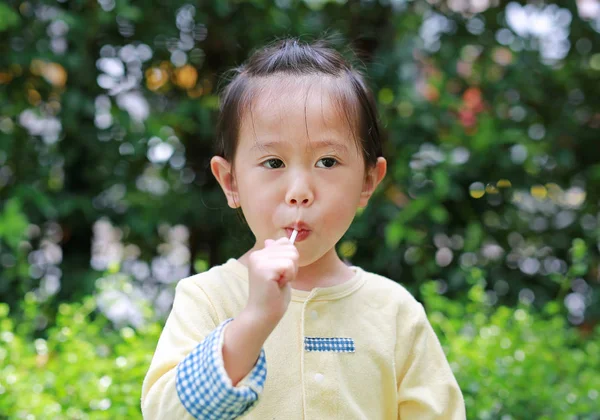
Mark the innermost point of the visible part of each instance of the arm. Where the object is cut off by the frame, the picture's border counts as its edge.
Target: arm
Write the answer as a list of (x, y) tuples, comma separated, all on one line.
[(204, 387), (188, 361), (427, 389), (243, 341), (225, 354)]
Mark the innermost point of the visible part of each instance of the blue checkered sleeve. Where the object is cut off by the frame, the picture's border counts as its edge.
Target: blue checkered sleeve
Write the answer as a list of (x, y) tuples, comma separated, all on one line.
[(204, 387)]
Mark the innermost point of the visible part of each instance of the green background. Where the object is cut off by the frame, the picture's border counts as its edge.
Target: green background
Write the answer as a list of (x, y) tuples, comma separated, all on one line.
[(489, 213)]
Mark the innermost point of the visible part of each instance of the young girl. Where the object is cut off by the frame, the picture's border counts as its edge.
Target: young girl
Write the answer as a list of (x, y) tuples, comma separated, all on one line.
[(288, 331)]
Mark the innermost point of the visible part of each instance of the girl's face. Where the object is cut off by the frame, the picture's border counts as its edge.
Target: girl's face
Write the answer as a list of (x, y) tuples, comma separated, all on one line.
[(297, 166)]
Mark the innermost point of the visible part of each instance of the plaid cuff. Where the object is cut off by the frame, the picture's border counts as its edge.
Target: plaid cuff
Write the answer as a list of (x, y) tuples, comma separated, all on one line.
[(204, 387)]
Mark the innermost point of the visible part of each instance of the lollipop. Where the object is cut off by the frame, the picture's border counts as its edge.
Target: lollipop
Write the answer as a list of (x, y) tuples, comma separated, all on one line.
[(293, 237), (295, 232)]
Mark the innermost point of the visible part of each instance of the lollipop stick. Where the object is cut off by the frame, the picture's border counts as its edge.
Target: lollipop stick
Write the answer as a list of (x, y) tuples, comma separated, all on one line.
[(295, 232), (293, 237)]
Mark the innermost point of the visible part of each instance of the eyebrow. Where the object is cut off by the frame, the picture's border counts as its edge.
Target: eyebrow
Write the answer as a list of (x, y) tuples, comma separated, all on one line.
[(318, 144)]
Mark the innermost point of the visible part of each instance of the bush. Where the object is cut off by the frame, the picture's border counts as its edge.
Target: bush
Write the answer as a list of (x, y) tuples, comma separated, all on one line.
[(510, 363), (83, 369), (514, 363)]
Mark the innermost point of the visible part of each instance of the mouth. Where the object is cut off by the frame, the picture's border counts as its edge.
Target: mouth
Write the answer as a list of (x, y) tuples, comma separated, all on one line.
[(298, 226), (302, 228)]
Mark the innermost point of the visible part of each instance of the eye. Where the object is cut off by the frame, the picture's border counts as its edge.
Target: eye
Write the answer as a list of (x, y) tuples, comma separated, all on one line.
[(273, 163), (328, 162)]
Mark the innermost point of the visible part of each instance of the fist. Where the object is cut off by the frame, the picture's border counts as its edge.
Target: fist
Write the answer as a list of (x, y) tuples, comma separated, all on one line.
[(270, 271)]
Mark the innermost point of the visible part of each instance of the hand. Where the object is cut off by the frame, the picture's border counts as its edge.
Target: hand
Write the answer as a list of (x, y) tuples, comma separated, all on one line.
[(270, 272)]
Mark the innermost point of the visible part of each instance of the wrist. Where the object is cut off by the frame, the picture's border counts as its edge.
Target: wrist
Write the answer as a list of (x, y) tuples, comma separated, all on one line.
[(257, 320)]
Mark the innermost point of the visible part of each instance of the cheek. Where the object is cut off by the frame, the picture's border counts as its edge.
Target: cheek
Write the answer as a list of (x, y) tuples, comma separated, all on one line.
[(344, 186), (342, 199), (257, 203)]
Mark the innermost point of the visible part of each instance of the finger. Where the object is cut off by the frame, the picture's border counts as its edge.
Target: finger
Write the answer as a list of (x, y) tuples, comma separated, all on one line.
[(271, 269), (274, 269), (275, 251), (285, 255), (276, 246), (288, 272), (273, 260)]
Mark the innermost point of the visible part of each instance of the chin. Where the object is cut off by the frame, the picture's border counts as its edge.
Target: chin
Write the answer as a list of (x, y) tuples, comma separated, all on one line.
[(306, 260)]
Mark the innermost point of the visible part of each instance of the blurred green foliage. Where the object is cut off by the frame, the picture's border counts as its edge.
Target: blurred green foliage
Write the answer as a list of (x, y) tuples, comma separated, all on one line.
[(82, 368), (107, 112), (511, 363), (107, 115)]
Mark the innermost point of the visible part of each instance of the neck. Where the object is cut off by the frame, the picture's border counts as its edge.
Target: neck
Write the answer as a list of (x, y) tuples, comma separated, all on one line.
[(329, 270)]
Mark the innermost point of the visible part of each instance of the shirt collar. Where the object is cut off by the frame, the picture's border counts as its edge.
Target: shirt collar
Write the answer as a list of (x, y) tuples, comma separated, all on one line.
[(318, 293)]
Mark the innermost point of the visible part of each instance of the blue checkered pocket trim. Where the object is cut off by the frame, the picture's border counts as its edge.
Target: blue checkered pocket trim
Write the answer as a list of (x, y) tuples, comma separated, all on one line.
[(204, 387), (334, 344)]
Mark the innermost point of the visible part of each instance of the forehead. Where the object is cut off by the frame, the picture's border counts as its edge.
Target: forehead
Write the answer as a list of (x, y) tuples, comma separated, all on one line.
[(297, 109)]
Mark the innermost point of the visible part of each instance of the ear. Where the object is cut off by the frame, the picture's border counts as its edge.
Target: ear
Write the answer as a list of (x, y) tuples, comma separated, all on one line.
[(372, 179), (221, 169)]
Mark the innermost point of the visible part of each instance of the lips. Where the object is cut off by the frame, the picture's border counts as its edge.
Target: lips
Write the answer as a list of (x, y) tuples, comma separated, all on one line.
[(302, 234), (299, 226), (302, 228)]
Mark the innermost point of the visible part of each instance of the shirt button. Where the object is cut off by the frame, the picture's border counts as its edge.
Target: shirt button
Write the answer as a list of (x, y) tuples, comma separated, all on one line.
[(314, 314), (319, 378)]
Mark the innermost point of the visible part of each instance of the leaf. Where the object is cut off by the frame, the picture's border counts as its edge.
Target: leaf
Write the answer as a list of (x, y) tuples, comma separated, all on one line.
[(13, 223), (394, 233), (8, 18), (442, 183), (439, 214)]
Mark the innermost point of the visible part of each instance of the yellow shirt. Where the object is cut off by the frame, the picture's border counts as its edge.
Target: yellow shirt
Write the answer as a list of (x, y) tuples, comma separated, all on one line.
[(395, 367)]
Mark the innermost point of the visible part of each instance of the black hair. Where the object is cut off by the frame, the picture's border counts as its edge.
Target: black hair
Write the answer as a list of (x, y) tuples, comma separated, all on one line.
[(291, 57)]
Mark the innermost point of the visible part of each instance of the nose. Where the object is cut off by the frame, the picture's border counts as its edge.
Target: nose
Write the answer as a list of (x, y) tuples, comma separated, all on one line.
[(300, 192)]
